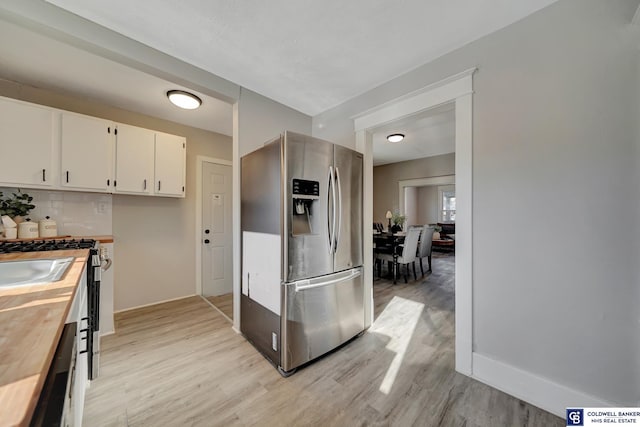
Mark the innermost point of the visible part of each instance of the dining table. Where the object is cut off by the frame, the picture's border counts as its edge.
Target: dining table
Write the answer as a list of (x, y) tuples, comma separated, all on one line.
[(388, 243)]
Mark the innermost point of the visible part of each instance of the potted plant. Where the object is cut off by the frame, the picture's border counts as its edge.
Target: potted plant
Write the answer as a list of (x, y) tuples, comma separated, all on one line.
[(398, 221), (16, 206), (436, 232)]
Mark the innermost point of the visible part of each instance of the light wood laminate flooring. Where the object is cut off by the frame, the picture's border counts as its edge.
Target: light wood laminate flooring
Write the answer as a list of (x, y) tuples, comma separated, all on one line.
[(224, 303), (180, 364)]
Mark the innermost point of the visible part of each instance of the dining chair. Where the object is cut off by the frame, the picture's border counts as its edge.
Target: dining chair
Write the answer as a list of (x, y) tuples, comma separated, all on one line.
[(407, 254), (426, 242), (380, 248)]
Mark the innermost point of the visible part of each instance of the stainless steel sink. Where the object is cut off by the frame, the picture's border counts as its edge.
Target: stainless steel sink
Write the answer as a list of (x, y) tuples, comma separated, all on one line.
[(32, 271)]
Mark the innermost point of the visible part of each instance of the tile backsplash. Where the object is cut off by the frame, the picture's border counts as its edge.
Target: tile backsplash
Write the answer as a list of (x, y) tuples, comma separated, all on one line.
[(76, 213)]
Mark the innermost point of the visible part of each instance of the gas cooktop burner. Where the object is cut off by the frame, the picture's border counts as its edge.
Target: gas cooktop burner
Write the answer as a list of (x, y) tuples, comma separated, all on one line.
[(45, 245)]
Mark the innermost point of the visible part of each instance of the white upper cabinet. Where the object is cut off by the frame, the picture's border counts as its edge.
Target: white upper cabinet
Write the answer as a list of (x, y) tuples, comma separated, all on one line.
[(86, 153), (134, 160), (26, 144), (42, 147), (170, 165)]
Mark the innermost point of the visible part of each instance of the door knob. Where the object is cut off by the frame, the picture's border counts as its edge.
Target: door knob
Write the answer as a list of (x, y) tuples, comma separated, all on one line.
[(206, 231), (206, 241)]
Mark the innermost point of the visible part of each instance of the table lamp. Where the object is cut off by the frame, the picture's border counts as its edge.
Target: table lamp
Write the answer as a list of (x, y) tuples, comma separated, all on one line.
[(389, 215)]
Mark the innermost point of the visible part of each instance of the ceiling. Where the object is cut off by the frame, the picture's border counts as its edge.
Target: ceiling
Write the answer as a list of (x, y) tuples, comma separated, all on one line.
[(43, 62), (427, 134), (310, 56)]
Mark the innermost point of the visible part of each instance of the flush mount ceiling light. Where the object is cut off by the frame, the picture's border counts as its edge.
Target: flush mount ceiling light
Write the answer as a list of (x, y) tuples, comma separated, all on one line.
[(183, 99), (396, 137)]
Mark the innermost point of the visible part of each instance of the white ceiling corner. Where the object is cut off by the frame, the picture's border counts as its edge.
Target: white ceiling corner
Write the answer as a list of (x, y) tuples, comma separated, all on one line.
[(43, 62), (310, 56)]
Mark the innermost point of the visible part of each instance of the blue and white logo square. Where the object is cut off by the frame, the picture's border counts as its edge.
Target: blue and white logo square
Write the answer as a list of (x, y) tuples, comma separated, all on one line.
[(575, 416)]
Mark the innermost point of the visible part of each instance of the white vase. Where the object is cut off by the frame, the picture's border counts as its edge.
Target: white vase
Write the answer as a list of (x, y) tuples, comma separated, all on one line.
[(436, 235)]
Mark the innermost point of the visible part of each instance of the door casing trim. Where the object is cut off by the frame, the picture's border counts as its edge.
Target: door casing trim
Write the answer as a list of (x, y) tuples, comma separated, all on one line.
[(422, 182), (458, 89)]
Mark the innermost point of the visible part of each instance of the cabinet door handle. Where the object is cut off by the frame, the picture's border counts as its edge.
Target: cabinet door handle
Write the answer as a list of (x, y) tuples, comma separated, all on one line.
[(44, 175), (145, 185), (67, 177), (158, 185)]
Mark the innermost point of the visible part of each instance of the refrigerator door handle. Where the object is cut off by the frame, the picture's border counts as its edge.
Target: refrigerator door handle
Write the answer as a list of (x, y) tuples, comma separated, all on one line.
[(331, 220), (339, 210), (303, 285)]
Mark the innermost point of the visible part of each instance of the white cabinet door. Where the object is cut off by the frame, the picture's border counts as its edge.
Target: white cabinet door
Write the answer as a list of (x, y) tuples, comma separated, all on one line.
[(170, 165), (86, 152), (26, 144), (134, 160)]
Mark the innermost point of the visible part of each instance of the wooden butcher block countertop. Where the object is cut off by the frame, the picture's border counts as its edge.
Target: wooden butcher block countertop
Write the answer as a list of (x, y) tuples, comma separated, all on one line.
[(31, 322)]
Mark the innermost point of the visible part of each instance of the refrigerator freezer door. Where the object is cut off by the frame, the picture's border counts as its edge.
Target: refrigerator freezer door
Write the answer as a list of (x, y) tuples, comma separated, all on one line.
[(307, 252), (348, 167), (320, 314)]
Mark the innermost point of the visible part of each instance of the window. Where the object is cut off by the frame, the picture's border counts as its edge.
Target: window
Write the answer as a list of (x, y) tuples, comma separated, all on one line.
[(447, 202)]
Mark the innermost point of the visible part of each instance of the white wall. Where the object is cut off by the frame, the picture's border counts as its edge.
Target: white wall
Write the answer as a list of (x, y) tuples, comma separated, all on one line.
[(427, 204), (257, 120), (553, 132), (261, 119), (411, 205), (75, 213), (636, 232), (154, 236)]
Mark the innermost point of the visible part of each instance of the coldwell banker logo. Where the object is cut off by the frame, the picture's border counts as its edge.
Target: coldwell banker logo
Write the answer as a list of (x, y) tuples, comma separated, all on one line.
[(575, 417)]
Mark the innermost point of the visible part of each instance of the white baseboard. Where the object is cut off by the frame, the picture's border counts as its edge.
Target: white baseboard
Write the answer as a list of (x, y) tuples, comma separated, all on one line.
[(538, 391), (106, 334), (153, 303)]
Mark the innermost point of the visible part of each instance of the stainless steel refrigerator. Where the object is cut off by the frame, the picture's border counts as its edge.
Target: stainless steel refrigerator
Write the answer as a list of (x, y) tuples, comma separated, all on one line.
[(302, 282)]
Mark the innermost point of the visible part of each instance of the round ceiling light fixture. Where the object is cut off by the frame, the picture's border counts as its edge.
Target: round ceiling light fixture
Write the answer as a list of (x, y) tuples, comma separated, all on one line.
[(183, 99), (395, 137)]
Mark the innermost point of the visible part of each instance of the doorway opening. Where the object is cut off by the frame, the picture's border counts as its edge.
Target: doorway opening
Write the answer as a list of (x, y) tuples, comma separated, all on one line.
[(457, 89), (408, 178), (214, 242)]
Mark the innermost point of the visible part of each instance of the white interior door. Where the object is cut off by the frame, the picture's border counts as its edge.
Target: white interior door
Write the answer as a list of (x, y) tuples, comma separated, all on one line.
[(217, 263)]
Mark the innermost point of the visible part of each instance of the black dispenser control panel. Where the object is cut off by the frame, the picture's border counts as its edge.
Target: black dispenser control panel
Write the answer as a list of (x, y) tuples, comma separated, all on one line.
[(304, 189)]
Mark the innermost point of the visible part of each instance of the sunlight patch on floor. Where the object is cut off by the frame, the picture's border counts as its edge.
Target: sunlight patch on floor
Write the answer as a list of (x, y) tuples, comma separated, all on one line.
[(398, 321)]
